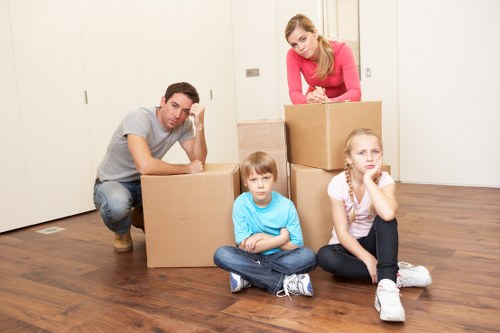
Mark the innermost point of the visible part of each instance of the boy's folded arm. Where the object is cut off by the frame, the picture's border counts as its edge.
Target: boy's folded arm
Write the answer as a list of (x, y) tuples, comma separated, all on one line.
[(248, 244), (288, 246), (269, 242)]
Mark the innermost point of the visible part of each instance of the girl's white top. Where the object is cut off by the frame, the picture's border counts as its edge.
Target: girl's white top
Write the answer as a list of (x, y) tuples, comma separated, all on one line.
[(338, 189)]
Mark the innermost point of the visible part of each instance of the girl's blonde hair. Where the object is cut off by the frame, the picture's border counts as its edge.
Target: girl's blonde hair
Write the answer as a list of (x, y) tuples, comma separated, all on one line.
[(261, 163), (325, 59), (348, 167)]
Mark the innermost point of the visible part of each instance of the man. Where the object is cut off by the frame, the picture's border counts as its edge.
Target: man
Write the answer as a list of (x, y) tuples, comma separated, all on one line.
[(139, 143)]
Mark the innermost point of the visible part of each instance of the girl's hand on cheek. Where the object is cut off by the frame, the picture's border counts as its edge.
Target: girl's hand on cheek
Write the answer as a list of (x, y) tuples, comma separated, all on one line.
[(375, 171)]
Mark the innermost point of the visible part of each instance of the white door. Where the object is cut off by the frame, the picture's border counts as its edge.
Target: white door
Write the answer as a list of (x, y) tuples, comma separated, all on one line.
[(14, 198), (49, 68), (109, 54), (206, 60), (190, 40), (156, 39), (379, 70)]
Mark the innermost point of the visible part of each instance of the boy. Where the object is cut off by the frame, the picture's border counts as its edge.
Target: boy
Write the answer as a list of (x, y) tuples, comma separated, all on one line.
[(269, 252)]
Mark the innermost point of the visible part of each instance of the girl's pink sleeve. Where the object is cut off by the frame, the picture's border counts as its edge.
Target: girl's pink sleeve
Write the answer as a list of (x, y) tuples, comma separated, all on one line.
[(351, 77), (294, 78)]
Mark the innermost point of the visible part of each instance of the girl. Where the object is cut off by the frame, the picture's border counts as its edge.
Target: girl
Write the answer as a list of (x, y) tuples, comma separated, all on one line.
[(327, 66), (364, 243)]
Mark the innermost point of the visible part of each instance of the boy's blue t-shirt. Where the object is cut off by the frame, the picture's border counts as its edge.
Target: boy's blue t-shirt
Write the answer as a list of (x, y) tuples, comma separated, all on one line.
[(249, 219)]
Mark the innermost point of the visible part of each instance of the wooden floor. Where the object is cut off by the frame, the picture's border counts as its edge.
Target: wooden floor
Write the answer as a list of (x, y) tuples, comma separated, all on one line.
[(72, 281)]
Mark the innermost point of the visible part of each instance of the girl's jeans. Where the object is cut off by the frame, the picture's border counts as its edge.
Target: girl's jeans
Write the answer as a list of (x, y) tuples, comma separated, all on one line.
[(381, 242)]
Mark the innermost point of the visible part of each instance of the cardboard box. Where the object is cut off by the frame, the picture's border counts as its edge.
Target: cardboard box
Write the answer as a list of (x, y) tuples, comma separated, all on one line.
[(269, 136), (308, 189), (279, 157), (187, 217), (316, 133), (310, 195)]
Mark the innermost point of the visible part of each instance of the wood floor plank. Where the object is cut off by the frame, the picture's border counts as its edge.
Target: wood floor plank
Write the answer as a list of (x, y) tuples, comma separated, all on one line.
[(316, 320), (12, 325), (37, 258), (33, 311), (98, 316), (73, 281)]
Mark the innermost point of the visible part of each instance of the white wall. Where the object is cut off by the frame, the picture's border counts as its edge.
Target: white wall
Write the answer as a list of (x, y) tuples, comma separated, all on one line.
[(449, 91), (15, 198), (379, 56), (434, 66), (259, 42), (206, 61), (432, 63)]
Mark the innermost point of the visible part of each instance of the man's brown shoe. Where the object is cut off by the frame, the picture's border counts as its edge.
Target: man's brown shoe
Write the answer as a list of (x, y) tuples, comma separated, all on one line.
[(137, 217), (123, 242)]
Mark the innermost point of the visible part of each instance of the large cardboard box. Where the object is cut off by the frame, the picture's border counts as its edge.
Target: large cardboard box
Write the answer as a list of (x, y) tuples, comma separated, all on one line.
[(310, 196), (308, 189), (266, 135), (187, 217), (316, 133)]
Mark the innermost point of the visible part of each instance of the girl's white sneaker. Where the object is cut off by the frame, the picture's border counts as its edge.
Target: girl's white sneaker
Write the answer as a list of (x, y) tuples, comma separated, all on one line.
[(413, 276), (387, 301)]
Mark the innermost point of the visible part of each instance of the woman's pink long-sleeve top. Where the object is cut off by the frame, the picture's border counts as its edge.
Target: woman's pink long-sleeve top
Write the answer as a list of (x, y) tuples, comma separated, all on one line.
[(342, 85)]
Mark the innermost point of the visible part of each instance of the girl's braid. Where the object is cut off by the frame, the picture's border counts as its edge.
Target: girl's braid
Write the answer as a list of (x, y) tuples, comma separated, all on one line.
[(352, 212)]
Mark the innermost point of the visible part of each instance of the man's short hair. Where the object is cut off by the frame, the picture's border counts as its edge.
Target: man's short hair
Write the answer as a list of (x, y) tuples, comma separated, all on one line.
[(183, 88)]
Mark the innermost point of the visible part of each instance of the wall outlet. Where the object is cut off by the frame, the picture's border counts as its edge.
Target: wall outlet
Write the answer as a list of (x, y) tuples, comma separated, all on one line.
[(253, 72)]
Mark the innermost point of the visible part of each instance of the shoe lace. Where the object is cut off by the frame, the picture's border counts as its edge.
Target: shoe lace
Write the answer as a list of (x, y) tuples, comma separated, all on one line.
[(390, 296), (290, 286), (405, 279), (404, 264)]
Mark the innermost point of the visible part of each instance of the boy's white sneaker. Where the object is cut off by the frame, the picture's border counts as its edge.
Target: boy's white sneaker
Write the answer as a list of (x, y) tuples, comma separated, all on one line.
[(296, 284), (413, 276), (236, 282), (387, 301)]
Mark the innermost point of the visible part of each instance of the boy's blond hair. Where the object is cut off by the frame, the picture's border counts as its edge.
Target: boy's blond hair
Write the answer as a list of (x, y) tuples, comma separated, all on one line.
[(260, 162)]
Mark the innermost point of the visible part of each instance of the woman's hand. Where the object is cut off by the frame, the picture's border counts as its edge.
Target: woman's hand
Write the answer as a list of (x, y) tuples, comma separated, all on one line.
[(317, 96)]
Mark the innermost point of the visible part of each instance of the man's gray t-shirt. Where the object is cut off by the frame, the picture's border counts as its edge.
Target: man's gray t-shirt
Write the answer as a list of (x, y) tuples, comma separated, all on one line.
[(118, 163)]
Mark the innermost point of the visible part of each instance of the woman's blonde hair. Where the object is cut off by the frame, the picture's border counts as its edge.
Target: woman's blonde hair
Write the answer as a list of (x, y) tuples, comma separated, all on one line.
[(325, 58), (261, 163), (348, 167)]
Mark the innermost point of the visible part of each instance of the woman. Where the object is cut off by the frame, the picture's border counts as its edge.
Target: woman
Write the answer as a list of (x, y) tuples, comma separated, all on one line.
[(327, 66)]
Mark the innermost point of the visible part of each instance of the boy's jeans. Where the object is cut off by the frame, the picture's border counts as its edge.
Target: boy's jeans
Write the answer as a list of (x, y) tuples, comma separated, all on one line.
[(265, 271)]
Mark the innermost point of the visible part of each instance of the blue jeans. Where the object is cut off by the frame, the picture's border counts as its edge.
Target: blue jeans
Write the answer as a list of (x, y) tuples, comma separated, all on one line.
[(114, 201), (381, 242), (265, 271)]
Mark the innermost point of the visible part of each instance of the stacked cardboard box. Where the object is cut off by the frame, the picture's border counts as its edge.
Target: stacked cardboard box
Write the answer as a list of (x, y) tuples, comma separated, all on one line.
[(267, 136), (187, 217), (317, 132), (309, 194), (316, 135)]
